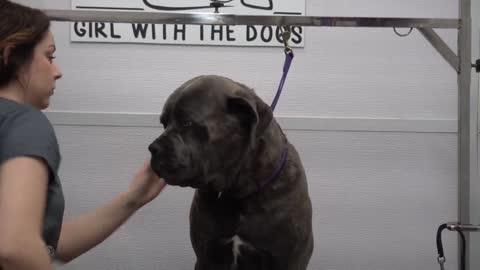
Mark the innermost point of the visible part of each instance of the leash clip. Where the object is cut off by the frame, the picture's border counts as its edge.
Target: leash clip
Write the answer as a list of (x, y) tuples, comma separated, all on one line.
[(286, 34), (441, 261)]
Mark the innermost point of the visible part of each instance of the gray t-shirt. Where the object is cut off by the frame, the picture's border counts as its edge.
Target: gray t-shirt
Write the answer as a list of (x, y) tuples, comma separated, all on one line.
[(26, 131)]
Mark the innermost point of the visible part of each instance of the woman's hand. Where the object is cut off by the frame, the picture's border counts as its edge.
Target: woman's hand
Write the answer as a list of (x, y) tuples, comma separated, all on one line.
[(145, 187)]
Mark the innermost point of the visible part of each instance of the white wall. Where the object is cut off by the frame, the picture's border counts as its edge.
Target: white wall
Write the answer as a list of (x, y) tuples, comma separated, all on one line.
[(372, 114)]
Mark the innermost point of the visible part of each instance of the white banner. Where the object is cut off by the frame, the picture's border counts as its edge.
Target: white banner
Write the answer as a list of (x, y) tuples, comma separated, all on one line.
[(239, 35)]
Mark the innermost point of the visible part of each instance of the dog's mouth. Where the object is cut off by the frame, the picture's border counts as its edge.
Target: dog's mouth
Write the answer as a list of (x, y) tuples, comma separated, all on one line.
[(175, 175), (173, 181), (165, 169)]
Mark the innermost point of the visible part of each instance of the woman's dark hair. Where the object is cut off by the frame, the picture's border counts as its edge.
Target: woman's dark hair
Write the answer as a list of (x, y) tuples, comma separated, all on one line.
[(21, 29)]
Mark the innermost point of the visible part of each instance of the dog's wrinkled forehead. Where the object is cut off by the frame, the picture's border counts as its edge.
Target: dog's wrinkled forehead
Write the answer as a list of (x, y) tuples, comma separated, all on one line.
[(203, 95)]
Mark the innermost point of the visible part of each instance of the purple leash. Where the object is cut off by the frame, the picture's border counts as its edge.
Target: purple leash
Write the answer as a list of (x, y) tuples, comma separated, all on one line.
[(286, 67)]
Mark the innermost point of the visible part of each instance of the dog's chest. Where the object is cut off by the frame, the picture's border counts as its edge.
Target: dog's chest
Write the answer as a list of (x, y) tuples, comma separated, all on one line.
[(237, 244), (230, 234), (232, 218), (236, 253)]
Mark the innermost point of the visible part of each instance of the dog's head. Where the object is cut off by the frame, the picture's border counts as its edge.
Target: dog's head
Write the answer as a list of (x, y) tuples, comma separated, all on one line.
[(210, 123)]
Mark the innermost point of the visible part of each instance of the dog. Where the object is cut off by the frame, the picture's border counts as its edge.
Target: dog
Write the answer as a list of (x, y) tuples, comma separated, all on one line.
[(251, 208)]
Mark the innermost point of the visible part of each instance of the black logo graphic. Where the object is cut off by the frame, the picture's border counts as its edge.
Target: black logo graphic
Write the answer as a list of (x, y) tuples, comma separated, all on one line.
[(214, 4)]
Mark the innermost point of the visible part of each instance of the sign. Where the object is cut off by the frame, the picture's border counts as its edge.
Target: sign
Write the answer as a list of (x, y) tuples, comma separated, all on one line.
[(220, 35)]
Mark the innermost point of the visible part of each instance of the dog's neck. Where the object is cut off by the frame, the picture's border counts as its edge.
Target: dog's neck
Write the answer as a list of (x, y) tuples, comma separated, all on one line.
[(262, 165)]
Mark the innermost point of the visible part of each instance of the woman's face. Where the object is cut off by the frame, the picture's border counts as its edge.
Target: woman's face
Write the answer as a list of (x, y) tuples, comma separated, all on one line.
[(40, 75)]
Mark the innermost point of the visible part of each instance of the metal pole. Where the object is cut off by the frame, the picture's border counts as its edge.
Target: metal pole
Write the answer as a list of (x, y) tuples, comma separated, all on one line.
[(467, 121), (475, 183), (230, 19)]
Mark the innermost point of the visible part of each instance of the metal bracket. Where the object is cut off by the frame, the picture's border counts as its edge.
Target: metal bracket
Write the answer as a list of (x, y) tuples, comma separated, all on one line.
[(217, 4), (455, 226), (442, 47), (477, 66)]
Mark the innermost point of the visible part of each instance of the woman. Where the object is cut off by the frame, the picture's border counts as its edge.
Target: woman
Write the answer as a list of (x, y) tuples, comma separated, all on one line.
[(32, 232)]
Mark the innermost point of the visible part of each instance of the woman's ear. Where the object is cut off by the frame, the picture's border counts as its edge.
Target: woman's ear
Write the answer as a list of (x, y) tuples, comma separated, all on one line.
[(6, 54)]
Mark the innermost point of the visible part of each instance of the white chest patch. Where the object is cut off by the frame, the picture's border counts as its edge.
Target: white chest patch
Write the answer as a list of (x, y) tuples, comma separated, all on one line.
[(237, 242)]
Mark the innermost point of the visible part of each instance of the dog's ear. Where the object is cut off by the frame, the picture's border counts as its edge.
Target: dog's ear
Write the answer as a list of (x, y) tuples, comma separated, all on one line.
[(254, 114), (265, 115)]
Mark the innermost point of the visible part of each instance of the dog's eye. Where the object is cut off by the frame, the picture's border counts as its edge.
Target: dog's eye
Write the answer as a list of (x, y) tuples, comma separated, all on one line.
[(186, 124), (163, 121)]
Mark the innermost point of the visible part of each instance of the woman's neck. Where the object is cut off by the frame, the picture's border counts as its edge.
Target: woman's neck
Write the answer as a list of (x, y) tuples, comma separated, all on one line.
[(13, 91)]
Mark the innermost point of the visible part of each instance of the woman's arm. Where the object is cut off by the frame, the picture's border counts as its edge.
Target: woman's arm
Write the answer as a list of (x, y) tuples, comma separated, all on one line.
[(85, 232), (23, 191)]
